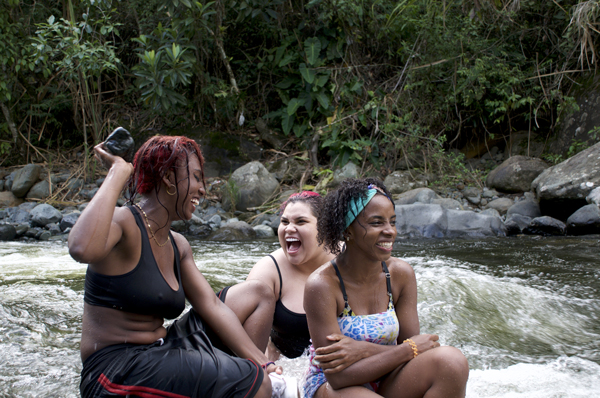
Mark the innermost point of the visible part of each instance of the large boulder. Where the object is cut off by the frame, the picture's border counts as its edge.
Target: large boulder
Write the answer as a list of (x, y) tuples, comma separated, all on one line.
[(421, 220), (516, 174), (44, 214), (252, 185), (516, 223), (584, 221), (25, 178), (474, 225), (546, 226), (562, 189)]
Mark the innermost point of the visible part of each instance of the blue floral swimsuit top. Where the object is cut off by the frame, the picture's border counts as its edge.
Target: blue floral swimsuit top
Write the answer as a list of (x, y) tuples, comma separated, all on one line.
[(381, 328)]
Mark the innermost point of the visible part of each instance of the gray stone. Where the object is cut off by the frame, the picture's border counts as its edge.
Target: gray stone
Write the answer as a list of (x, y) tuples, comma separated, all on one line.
[(44, 214), (28, 206), (594, 196), (25, 178), (74, 184), (33, 232), (528, 208), (584, 221), (252, 185), (418, 195), (8, 199), (69, 220), (546, 226), (275, 221), (350, 170), (18, 216), (215, 222), (1, 185), (44, 235), (179, 226), (54, 229), (21, 229), (233, 231), (516, 174), (562, 189), (516, 223), (491, 212), (448, 203), (489, 193), (287, 169), (473, 225), (3, 214), (399, 182), (500, 204), (420, 220), (7, 232), (263, 231), (41, 190), (198, 230)]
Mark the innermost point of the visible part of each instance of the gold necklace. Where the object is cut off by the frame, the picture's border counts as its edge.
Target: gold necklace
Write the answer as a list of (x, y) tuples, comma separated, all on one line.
[(150, 228)]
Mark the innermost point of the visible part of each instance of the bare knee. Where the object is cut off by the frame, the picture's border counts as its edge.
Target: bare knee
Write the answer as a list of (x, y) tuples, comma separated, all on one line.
[(452, 364)]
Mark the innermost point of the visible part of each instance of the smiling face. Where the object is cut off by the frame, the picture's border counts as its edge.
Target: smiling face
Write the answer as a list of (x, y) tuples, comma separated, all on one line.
[(374, 230), (298, 234), (190, 187)]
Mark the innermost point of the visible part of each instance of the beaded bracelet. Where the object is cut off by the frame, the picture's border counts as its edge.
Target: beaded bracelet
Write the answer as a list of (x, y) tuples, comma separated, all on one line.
[(413, 346), (266, 365)]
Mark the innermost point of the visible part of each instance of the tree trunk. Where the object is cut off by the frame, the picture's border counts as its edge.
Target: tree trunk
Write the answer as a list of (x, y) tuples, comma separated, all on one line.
[(11, 124)]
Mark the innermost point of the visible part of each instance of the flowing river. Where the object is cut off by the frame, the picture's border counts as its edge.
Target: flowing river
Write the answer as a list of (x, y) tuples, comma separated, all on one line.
[(525, 311)]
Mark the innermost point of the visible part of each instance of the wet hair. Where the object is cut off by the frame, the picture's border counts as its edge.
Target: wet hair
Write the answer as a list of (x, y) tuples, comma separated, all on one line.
[(310, 198), (156, 157), (332, 221)]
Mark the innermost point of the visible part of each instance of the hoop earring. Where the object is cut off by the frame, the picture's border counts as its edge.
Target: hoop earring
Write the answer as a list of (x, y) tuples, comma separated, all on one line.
[(170, 192)]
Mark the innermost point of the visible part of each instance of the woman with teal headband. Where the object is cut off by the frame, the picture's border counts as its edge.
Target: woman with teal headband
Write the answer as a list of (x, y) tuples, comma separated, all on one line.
[(362, 309)]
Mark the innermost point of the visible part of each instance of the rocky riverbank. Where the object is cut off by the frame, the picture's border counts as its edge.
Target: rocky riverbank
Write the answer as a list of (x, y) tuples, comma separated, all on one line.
[(523, 195)]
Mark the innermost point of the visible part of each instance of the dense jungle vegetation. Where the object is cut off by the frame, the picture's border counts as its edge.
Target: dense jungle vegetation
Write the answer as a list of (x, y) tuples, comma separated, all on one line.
[(373, 81)]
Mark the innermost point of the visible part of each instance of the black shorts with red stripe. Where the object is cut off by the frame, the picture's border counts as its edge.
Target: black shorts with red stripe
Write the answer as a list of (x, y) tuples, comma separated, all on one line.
[(184, 365)]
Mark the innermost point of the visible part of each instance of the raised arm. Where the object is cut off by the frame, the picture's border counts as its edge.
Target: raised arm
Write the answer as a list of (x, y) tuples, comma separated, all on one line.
[(98, 229), (221, 319)]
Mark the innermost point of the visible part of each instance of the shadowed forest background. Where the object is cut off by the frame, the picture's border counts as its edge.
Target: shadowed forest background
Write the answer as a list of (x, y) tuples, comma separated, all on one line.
[(329, 81)]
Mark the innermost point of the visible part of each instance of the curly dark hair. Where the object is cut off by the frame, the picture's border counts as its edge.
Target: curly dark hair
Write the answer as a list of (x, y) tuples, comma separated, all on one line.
[(331, 222)]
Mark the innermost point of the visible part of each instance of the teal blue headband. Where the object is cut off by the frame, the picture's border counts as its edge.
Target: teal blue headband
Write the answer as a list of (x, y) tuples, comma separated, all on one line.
[(357, 205)]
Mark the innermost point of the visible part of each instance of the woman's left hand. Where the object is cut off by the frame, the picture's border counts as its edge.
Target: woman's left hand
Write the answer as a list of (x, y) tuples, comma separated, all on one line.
[(336, 357), (274, 368)]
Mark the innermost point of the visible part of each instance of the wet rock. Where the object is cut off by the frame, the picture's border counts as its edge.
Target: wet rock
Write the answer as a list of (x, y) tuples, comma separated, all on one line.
[(546, 226), (584, 221), (45, 214), (54, 229), (7, 232), (275, 221), (516, 174), (421, 220), (44, 235), (25, 178), (21, 229), (527, 208), (233, 231), (41, 190), (473, 225), (472, 194), (200, 231), (490, 212), (448, 203), (120, 143), (516, 223)]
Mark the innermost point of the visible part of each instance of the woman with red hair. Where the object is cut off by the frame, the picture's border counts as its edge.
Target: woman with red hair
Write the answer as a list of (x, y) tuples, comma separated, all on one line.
[(140, 272)]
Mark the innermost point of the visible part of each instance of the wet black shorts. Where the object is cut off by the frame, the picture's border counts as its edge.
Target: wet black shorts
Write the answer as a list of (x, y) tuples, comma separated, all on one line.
[(185, 365)]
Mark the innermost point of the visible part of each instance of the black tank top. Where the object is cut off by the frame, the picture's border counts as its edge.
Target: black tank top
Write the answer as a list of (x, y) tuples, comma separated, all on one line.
[(290, 329), (143, 290)]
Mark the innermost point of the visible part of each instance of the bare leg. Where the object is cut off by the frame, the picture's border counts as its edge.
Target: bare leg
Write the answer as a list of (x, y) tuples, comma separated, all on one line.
[(438, 373), (254, 304), (265, 390), (325, 391)]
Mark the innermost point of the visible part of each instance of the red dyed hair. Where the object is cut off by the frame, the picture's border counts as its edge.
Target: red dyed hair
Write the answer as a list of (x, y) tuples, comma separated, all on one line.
[(312, 199), (156, 157)]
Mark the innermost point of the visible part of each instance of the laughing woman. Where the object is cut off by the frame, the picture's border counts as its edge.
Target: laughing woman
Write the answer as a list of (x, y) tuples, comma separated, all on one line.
[(362, 309), (285, 272), (139, 273)]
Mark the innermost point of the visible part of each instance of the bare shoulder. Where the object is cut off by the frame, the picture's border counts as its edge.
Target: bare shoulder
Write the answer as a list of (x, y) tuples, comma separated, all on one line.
[(323, 277), (182, 244), (400, 269)]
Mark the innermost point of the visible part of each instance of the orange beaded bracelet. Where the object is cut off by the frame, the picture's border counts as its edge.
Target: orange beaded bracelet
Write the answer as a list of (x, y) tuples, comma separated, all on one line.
[(413, 346)]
